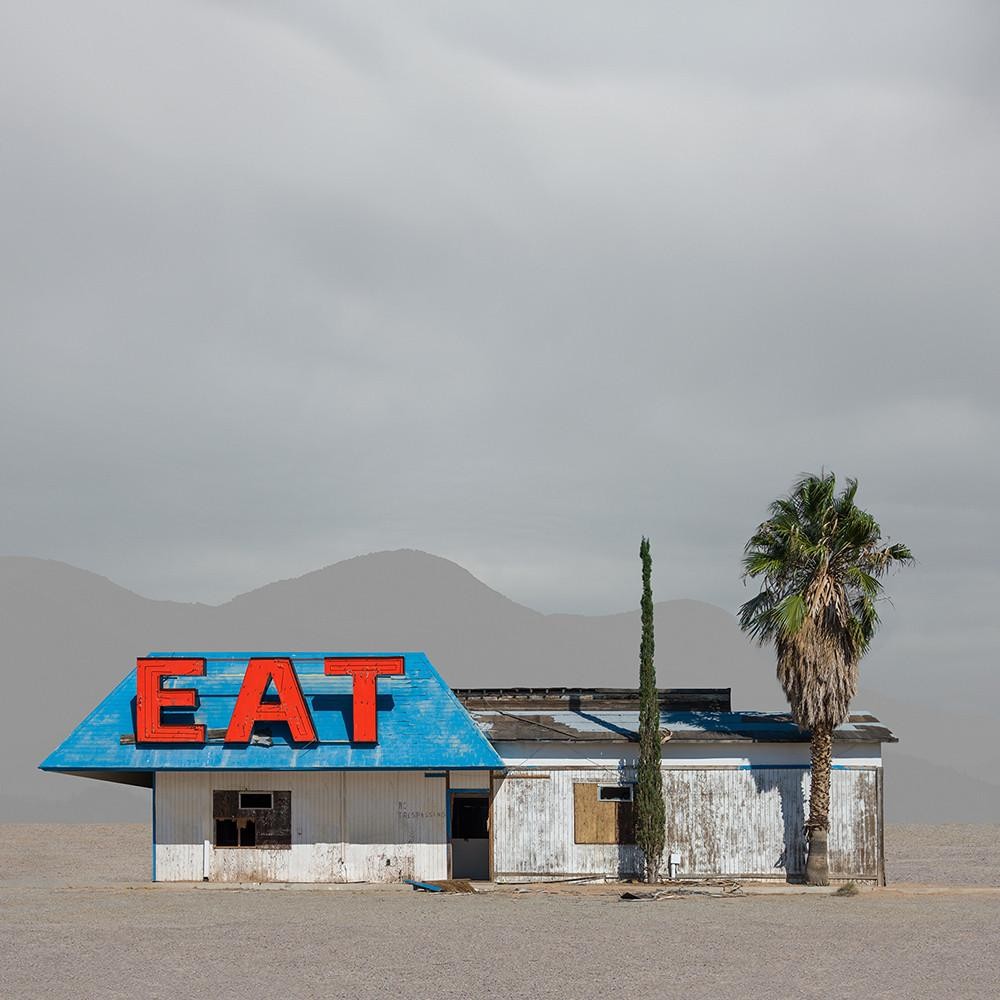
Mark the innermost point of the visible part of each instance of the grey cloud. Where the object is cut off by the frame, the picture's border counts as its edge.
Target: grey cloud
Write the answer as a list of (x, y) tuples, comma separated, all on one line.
[(512, 285)]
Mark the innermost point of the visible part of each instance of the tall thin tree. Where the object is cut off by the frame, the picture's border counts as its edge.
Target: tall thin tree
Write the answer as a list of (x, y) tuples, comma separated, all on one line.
[(820, 558), (650, 815)]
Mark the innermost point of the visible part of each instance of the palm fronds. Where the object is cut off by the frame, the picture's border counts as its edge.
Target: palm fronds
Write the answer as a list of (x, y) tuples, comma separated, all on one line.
[(820, 559)]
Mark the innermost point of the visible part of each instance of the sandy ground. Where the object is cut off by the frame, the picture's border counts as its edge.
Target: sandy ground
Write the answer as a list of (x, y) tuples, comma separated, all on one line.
[(73, 927), (953, 854)]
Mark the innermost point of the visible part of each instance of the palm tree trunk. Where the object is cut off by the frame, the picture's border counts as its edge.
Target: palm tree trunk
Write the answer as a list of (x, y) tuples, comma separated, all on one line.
[(818, 824)]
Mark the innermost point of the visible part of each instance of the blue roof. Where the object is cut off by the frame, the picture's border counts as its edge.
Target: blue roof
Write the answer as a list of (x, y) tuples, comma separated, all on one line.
[(420, 725)]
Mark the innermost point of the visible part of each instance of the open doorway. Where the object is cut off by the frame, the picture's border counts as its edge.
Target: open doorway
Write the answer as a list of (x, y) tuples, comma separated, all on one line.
[(469, 826)]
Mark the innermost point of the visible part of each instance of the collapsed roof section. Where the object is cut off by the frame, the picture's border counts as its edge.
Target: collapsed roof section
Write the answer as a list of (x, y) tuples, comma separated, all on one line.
[(585, 699), (610, 715), (602, 726)]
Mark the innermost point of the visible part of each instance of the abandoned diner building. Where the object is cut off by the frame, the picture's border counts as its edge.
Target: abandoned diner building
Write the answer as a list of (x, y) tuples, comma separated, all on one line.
[(334, 767)]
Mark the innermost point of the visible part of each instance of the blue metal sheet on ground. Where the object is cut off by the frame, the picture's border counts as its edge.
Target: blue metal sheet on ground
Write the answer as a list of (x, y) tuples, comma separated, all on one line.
[(423, 886)]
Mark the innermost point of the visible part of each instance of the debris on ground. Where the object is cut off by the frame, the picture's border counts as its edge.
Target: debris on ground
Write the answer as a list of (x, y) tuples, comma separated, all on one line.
[(718, 888), (442, 885)]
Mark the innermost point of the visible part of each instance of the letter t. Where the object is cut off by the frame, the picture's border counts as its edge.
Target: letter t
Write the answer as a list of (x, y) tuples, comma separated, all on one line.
[(364, 670)]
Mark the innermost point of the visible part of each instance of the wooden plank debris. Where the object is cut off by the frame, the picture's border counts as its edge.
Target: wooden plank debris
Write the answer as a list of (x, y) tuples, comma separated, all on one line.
[(714, 888)]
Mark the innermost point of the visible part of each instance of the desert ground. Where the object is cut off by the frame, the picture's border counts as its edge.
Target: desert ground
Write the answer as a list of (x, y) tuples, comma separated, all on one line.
[(81, 921)]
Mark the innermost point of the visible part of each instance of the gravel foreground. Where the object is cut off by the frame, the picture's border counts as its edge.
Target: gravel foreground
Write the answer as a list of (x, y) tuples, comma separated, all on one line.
[(73, 927)]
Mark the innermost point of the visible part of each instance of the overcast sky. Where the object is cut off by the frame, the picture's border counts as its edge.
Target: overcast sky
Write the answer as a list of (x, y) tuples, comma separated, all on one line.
[(510, 283)]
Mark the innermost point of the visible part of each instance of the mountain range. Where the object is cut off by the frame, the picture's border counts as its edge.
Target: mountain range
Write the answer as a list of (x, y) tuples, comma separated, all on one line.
[(69, 635)]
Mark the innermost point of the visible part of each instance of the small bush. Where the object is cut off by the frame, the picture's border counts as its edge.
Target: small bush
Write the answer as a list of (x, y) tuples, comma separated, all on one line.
[(848, 889)]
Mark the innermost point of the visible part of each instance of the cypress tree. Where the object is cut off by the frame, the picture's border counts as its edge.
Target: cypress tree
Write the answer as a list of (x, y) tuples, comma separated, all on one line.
[(650, 815)]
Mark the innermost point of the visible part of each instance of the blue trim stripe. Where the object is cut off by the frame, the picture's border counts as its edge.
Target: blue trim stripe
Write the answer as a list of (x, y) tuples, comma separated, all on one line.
[(153, 797)]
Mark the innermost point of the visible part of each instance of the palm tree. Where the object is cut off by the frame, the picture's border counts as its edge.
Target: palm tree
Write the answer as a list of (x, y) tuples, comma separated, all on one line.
[(820, 559)]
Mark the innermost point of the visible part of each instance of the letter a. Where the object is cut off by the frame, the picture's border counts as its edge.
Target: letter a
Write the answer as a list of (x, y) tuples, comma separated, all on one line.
[(251, 707)]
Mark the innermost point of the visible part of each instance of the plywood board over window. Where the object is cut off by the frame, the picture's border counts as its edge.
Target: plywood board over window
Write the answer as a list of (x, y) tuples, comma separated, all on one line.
[(601, 821)]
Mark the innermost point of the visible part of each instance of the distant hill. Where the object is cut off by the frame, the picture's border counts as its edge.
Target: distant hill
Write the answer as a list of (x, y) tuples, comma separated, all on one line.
[(70, 635)]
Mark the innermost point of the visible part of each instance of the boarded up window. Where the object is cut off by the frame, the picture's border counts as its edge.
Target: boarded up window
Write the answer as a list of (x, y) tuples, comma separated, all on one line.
[(247, 820), (597, 821)]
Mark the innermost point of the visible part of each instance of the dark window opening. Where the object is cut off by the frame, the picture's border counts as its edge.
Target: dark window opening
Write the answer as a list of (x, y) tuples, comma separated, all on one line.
[(470, 818), (255, 800), (226, 834), (615, 793), (252, 819)]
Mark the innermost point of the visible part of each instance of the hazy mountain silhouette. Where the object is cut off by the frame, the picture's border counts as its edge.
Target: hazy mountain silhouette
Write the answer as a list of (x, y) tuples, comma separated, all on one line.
[(70, 635)]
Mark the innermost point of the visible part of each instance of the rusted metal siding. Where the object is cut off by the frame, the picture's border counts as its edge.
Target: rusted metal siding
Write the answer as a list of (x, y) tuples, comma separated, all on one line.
[(346, 827), (855, 840), (735, 821)]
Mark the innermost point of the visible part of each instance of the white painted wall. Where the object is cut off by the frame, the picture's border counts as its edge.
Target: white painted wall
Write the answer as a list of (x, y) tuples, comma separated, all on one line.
[(735, 754), (371, 826), (469, 779)]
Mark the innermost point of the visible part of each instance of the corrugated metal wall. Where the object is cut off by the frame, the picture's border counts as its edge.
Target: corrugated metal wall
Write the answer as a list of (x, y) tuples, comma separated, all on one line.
[(533, 826), (373, 826), (743, 822), (384, 826)]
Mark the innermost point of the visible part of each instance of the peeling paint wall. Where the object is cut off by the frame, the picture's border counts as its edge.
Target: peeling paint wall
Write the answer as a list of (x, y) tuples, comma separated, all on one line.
[(732, 821), (533, 826), (373, 826)]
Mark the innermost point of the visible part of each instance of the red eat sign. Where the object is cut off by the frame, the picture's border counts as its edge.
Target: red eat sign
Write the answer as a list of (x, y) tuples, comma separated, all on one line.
[(290, 706)]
